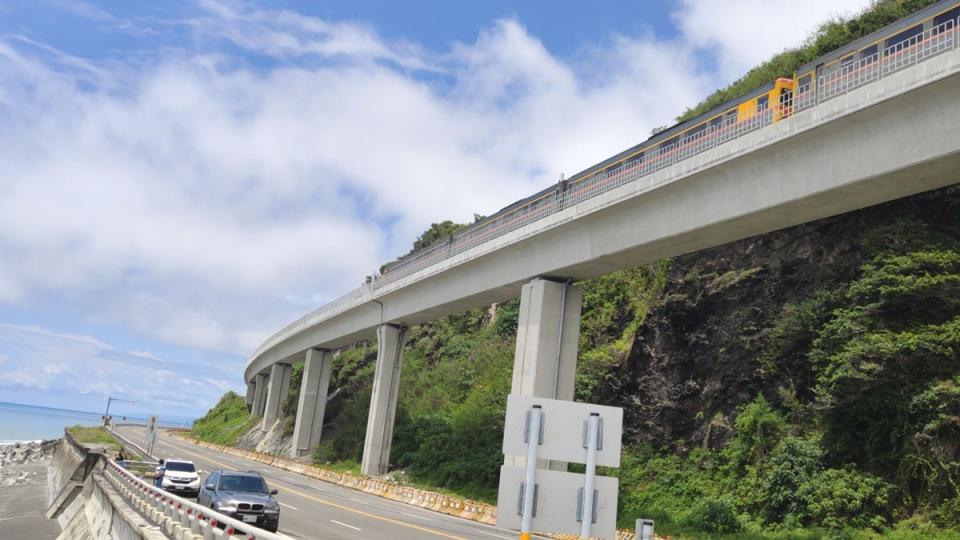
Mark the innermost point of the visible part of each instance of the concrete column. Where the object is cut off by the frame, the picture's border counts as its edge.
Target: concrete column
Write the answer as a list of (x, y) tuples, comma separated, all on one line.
[(251, 389), (276, 392), (383, 401), (259, 394), (548, 330), (313, 401)]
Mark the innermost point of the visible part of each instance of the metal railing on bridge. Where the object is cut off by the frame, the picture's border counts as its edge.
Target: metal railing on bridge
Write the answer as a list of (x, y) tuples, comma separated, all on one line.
[(176, 516)]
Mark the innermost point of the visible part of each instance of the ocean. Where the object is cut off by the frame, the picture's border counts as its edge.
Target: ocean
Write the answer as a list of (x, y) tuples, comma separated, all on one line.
[(28, 423)]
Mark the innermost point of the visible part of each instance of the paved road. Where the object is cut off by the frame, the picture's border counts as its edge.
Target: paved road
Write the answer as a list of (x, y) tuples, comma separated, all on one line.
[(319, 510)]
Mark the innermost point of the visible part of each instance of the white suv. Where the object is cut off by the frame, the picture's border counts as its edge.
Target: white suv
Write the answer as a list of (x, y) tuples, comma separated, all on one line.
[(180, 477)]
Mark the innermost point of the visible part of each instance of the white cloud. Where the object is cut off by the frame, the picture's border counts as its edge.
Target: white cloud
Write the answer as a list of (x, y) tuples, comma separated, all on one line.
[(147, 355), (199, 199), (96, 370), (54, 369), (744, 33)]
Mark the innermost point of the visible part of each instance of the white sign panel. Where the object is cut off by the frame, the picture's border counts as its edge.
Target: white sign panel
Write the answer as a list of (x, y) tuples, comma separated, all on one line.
[(563, 430), (558, 502)]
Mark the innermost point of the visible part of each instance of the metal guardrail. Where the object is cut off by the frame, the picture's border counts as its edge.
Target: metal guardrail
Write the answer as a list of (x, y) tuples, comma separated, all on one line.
[(130, 444), (930, 43), (177, 515)]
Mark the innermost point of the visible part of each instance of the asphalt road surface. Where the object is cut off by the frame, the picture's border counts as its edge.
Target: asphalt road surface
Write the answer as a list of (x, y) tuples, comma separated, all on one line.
[(315, 509)]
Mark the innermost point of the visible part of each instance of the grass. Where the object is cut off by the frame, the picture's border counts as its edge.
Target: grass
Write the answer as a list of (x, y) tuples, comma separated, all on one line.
[(94, 435)]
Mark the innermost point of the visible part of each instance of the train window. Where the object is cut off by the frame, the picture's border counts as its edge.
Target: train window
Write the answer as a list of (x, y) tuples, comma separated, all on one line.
[(903, 36), (693, 133), (942, 18), (868, 54), (667, 144), (804, 84), (846, 61), (730, 118), (762, 103), (786, 97), (633, 160), (716, 122)]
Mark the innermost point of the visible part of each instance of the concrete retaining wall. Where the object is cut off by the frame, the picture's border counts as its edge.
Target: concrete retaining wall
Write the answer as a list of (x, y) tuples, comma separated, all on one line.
[(70, 466), (106, 515), (84, 504)]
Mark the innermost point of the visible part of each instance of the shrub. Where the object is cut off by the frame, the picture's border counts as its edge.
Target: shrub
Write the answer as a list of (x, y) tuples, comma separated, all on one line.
[(714, 514), (759, 428), (791, 466), (841, 498)]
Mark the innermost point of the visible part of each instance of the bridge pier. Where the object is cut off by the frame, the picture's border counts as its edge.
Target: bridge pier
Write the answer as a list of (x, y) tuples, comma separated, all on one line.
[(313, 401), (277, 391), (259, 394), (251, 390), (548, 330), (383, 400)]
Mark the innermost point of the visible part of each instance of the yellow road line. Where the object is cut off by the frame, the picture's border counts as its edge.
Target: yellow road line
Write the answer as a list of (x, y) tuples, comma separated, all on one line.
[(340, 506)]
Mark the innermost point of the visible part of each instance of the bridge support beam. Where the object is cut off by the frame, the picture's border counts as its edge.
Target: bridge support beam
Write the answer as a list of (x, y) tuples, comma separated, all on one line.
[(383, 401), (313, 401), (548, 330), (259, 394), (276, 392)]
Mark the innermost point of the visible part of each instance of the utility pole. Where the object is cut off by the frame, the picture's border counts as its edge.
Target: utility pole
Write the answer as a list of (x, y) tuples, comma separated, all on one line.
[(106, 415)]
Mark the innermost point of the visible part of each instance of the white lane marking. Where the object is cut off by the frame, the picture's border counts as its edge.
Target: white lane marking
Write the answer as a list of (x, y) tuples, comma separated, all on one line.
[(361, 501), (497, 535), (408, 514), (345, 525), (320, 489), (288, 506)]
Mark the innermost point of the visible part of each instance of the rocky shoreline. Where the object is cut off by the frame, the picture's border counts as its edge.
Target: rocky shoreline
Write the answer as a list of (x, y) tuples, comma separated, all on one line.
[(14, 456)]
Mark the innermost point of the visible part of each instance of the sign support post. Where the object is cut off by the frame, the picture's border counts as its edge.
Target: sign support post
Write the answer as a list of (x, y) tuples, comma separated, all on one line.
[(586, 510), (530, 485)]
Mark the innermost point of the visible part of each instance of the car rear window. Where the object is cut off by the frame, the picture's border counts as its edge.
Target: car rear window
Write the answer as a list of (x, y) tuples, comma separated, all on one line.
[(179, 467), (246, 484)]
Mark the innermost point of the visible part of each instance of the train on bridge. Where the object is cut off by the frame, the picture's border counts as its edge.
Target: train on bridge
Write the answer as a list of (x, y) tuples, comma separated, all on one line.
[(901, 44)]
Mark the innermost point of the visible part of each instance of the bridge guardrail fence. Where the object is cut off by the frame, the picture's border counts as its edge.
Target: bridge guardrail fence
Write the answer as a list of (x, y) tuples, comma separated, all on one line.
[(912, 51), (179, 517)]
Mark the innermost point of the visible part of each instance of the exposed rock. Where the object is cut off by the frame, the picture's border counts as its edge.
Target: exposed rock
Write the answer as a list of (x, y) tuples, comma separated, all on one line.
[(704, 350), (14, 456), (273, 441)]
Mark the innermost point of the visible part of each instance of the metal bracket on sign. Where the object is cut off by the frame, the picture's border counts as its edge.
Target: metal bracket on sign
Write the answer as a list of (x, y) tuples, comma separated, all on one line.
[(526, 428), (586, 430), (536, 493), (593, 514)]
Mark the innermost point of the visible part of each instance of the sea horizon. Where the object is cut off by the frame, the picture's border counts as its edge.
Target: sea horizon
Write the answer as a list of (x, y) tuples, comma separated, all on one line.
[(20, 422)]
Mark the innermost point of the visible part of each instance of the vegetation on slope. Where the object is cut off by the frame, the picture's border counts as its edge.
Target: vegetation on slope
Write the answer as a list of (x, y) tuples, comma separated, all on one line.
[(226, 422), (828, 37)]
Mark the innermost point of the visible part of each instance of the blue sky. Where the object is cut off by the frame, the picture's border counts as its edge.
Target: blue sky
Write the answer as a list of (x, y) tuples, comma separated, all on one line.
[(181, 179)]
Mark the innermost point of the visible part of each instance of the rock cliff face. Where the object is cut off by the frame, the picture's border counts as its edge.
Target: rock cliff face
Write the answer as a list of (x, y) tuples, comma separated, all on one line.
[(271, 441), (706, 347)]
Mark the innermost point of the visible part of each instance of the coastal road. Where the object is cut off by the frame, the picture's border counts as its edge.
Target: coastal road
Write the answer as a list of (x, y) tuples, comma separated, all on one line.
[(313, 509)]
